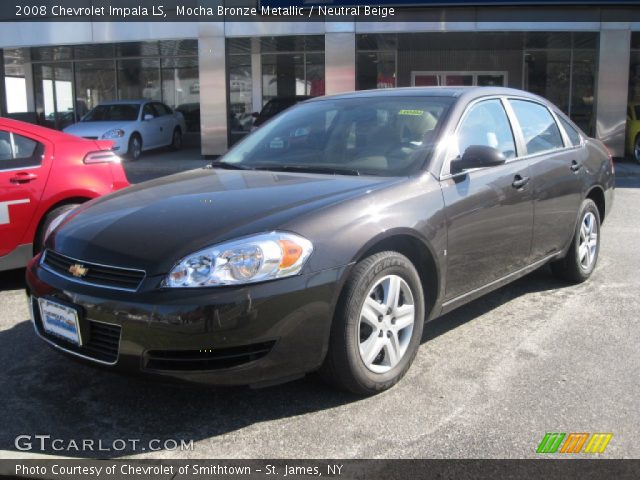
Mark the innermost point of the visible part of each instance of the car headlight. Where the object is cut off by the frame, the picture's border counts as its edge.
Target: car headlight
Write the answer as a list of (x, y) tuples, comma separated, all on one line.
[(248, 260), (115, 133)]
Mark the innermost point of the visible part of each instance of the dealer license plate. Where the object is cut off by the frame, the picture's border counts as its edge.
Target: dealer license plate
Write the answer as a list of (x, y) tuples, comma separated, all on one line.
[(60, 320)]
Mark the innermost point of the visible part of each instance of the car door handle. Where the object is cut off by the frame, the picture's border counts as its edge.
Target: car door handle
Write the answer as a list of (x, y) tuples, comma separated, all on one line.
[(519, 181), (575, 166), (23, 177)]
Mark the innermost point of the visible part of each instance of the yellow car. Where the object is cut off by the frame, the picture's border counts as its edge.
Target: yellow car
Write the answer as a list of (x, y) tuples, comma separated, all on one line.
[(633, 131)]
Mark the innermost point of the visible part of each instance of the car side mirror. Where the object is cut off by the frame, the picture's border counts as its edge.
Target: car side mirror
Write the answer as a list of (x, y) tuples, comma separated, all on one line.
[(148, 116), (478, 156)]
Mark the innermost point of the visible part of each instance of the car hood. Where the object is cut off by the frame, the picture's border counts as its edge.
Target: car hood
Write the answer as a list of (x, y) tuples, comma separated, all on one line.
[(154, 224), (94, 129)]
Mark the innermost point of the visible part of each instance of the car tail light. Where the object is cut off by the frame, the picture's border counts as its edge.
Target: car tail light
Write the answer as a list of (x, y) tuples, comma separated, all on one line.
[(103, 156)]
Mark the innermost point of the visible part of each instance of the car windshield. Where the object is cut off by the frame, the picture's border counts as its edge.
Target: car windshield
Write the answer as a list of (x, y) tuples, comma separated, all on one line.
[(386, 136), (110, 113)]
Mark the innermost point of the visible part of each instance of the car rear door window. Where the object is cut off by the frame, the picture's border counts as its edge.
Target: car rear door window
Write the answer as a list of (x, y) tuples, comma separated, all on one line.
[(17, 151), (572, 133), (540, 131), (486, 124)]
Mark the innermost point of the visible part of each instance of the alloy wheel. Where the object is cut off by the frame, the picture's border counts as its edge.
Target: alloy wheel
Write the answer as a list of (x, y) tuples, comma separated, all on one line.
[(136, 148), (177, 139), (386, 323), (588, 246)]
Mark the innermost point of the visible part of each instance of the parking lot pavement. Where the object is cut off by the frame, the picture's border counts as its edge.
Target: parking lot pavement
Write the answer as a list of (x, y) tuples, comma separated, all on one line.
[(490, 380), (158, 163)]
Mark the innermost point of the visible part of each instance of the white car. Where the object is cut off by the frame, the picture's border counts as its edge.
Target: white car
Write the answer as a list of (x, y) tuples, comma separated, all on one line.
[(133, 125)]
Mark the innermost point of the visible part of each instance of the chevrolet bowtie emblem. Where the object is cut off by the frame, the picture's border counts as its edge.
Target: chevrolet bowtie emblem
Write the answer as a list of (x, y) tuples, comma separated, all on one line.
[(78, 270)]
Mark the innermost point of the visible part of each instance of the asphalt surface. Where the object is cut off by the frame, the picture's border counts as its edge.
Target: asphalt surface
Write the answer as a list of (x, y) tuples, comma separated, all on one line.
[(490, 379)]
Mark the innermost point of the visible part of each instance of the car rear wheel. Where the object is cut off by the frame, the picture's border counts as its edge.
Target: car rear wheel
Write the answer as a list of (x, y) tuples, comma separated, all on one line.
[(38, 244), (135, 147), (580, 261), (176, 139), (378, 325), (636, 149)]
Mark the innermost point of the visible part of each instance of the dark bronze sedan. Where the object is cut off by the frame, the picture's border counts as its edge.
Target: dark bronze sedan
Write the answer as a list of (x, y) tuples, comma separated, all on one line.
[(325, 239)]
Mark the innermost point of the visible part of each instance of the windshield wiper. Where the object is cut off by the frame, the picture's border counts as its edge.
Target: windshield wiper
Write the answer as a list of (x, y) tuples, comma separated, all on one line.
[(309, 169), (228, 166)]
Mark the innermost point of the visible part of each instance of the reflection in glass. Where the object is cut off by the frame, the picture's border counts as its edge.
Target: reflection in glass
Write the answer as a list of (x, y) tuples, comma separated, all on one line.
[(453, 80), (240, 100), (583, 86), (180, 81), (95, 83), (376, 70), (54, 94), (547, 74), (139, 78), (15, 81), (282, 76)]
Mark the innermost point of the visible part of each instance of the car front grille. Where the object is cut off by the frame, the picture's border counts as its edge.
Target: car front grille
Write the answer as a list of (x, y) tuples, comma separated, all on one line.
[(102, 345), (91, 138), (101, 275), (205, 359)]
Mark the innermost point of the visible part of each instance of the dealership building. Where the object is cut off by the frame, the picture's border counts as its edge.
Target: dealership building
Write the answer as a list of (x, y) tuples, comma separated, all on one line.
[(585, 59)]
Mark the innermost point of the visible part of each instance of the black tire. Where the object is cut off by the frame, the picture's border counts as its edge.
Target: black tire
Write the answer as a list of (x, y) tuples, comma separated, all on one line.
[(176, 139), (636, 149), (38, 243), (343, 365), (571, 268), (134, 149)]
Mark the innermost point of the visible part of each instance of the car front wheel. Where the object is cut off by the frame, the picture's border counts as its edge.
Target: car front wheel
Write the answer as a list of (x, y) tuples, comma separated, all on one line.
[(176, 140), (636, 149), (378, 325), (580, 261), (135, 147)]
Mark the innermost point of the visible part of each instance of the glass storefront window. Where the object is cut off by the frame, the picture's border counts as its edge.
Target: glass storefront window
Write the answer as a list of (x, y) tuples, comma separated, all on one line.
[(137, 49), (15, 83), (54, 94), (583, 88), (376, 70), (93, 52), (315, 74), (180, 81), (64, 92), (565, 72), (292, 74), (139, 78), (547, 74), (95, 83), (240, 95)]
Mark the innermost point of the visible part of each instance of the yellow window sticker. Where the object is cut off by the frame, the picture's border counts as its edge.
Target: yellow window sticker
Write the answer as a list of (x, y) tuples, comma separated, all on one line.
[(411, 112)]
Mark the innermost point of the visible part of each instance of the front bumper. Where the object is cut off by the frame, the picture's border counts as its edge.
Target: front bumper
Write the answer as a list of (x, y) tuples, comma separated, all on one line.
[(251, 335), (120, 145)]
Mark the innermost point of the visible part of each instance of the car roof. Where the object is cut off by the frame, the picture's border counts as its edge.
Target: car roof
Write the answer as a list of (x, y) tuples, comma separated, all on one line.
[(127, 102), (292, 98), (51, 134), (454, 92)]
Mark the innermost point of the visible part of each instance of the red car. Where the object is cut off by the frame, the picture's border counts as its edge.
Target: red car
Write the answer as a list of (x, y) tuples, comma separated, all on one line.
[(43, 175)]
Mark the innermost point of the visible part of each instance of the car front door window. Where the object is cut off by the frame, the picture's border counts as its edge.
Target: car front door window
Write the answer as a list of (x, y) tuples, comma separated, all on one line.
[(485, 124)]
